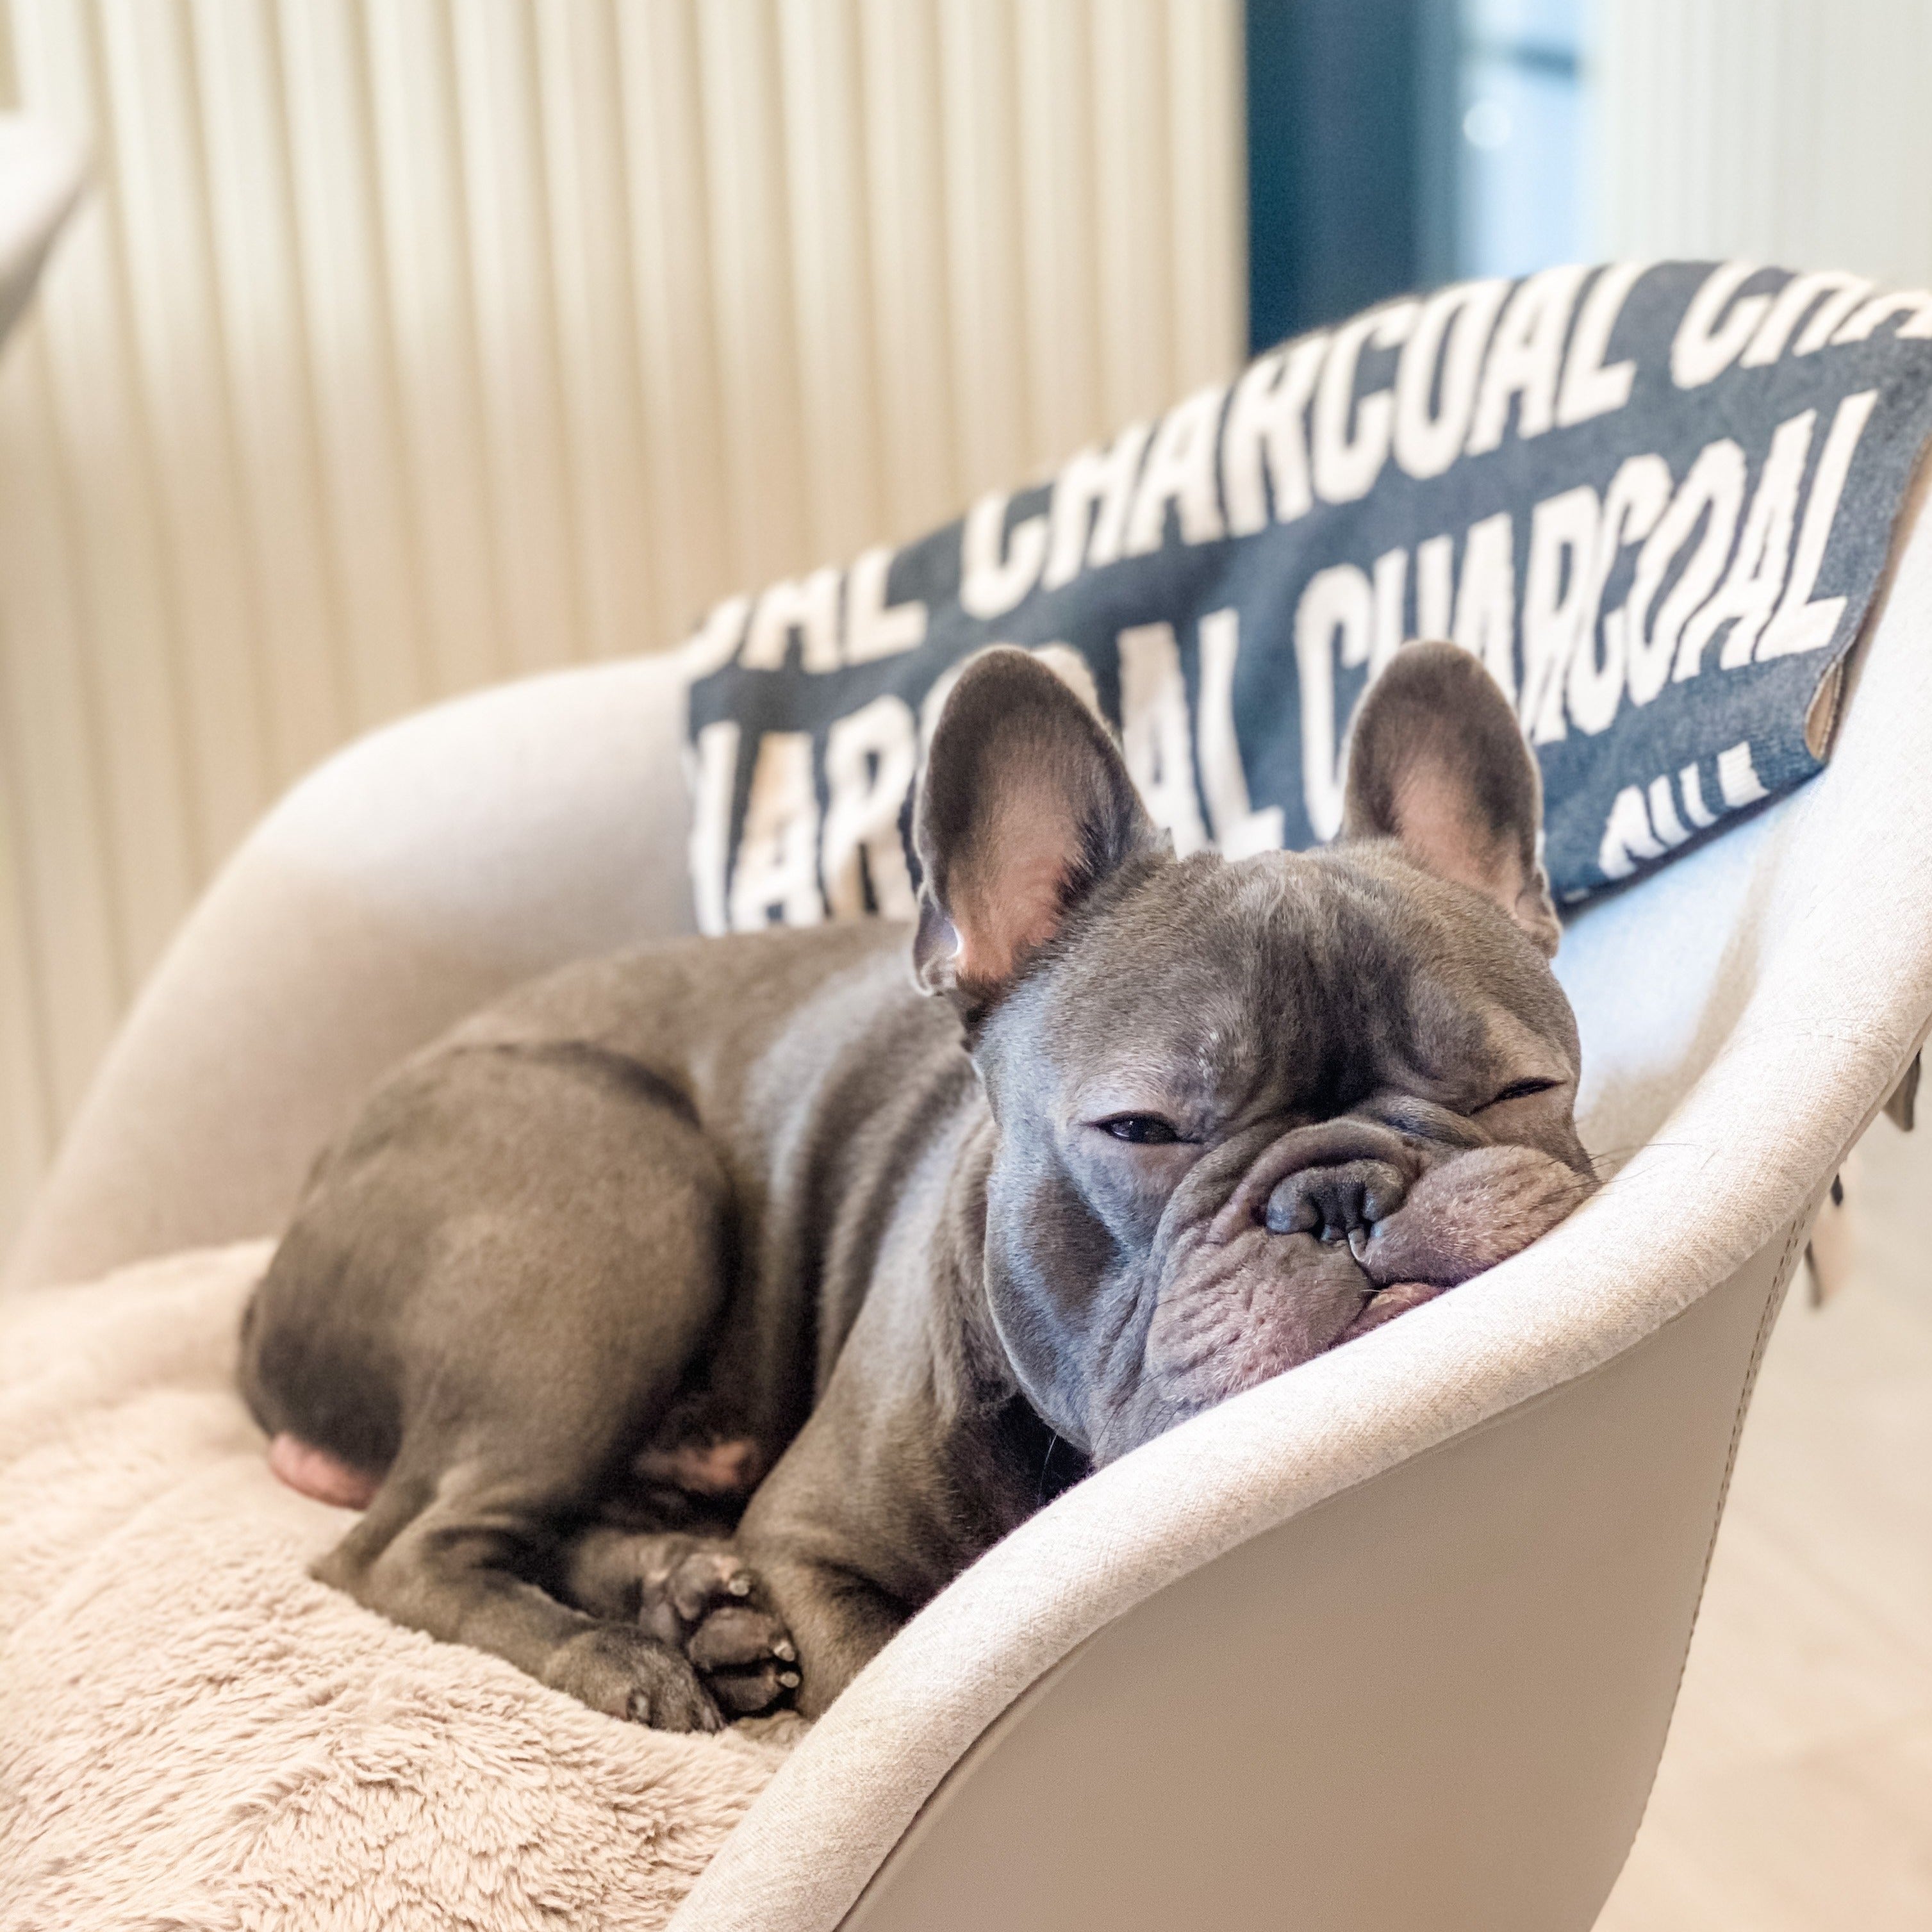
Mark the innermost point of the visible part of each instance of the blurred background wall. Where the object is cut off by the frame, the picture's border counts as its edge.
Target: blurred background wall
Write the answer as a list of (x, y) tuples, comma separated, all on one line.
[(407, 344)]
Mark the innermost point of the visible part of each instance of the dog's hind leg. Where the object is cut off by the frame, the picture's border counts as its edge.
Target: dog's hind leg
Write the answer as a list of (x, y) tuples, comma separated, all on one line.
[(447, 1554), (532, 1260)]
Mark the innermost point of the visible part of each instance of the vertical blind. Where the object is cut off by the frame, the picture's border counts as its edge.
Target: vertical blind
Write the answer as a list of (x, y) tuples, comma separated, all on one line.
[(1789, 131), (408, 344)]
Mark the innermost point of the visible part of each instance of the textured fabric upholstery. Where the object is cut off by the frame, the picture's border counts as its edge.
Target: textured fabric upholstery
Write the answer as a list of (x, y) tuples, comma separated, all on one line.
[(1744, 1013), (413, 877)]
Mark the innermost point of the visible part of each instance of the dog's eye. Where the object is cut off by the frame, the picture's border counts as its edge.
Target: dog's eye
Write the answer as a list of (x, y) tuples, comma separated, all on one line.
[(1517, 1090), (1143, 1129)]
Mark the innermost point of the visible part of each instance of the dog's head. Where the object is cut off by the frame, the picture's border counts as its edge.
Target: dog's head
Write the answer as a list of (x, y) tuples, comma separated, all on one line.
[(1244, 1110)]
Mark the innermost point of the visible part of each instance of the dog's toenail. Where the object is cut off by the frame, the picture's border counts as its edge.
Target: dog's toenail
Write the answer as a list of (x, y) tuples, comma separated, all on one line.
[(784, 1651), (738, 1586), (789, 1678)]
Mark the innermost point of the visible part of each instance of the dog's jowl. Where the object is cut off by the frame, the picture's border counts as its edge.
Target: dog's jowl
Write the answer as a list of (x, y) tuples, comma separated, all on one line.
[(687, 1321)]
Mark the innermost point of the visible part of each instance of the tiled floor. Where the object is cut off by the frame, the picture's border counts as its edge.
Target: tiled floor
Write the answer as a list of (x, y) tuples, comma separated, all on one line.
[(1795, 1794)]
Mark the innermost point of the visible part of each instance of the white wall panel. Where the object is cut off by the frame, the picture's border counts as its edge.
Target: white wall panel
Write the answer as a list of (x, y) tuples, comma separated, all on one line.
[(67, 865), (978, 116), (406, 344), (1207, 208), (348, 327), (669, 258), (256, 282), (514, 297), (824, 166), (919, 423), (1791, 131), (1131, 184), (1060, 257)]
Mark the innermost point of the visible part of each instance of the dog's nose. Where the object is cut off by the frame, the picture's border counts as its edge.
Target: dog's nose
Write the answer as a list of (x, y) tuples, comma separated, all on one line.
[(1333, 1203)]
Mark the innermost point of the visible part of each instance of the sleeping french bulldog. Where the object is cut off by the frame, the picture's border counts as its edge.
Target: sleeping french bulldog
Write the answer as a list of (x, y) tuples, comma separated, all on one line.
[(685, 1322)]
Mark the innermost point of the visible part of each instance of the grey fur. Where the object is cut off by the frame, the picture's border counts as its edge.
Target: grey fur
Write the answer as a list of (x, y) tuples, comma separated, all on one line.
[(589, 1266)]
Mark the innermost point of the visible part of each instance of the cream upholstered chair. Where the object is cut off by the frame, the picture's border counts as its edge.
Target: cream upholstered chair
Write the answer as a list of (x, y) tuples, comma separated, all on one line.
[(1391, 1641)]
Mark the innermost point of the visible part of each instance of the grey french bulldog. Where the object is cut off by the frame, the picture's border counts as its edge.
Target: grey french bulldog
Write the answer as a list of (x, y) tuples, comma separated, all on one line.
[(685, 1322)]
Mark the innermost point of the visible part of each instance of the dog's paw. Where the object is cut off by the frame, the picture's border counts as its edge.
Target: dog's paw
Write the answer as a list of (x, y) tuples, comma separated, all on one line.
[(695, 1594), (700, 1596), (627, 1673)]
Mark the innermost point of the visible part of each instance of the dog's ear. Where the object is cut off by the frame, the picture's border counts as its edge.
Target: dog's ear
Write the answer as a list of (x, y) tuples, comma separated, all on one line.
[(1025, 807), (1436, 761)]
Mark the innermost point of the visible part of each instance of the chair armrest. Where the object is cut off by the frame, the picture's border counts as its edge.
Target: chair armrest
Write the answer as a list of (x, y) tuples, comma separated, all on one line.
[(418, 873)]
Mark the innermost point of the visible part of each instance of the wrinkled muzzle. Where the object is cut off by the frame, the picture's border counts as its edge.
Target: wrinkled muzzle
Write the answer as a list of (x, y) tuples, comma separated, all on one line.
[(1273, 1253)]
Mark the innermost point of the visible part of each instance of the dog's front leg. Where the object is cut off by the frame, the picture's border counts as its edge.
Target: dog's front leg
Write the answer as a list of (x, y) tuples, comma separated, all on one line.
[(840, 1620), (889, 1491), (805, 1536)]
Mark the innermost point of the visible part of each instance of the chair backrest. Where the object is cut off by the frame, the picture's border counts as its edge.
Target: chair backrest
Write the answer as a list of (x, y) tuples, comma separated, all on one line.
[(425, 869)]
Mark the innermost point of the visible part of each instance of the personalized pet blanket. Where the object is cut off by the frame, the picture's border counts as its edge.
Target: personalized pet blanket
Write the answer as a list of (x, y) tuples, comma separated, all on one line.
[(1655, 499), (193, 1733)]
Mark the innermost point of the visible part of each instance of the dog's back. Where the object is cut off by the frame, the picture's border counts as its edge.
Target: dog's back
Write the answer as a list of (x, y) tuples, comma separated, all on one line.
[(546, 1123)]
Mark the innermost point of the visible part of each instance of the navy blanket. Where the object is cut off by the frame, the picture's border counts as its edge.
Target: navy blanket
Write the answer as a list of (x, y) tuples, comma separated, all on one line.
[(1654, 500)]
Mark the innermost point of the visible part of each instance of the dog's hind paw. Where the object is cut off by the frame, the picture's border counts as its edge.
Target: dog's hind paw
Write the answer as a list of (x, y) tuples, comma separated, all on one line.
[(627, 1673)]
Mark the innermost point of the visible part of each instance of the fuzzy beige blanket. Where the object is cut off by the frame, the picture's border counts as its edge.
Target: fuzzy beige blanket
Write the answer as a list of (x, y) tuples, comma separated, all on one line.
[(194, 1733)]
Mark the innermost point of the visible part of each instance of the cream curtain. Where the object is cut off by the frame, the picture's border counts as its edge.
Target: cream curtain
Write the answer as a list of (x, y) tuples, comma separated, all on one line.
[(409, 344)]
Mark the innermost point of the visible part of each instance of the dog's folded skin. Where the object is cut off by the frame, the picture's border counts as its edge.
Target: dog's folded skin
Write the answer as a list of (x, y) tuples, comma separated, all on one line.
[(690, 1318)]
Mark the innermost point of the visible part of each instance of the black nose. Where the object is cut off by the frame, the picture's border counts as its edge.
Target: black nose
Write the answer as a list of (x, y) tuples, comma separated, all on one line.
[(1332, 1203)]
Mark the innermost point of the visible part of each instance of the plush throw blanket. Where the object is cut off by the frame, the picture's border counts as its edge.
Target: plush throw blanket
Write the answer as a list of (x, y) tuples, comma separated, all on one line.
[(193, 1732)]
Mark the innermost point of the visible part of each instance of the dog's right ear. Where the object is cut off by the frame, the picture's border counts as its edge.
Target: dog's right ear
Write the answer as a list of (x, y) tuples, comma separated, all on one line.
[(1437, 762), (1025, 809)]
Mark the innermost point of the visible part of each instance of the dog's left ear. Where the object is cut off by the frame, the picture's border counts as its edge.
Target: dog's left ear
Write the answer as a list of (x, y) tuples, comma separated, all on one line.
[(1436, 762), (1025, 807)]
